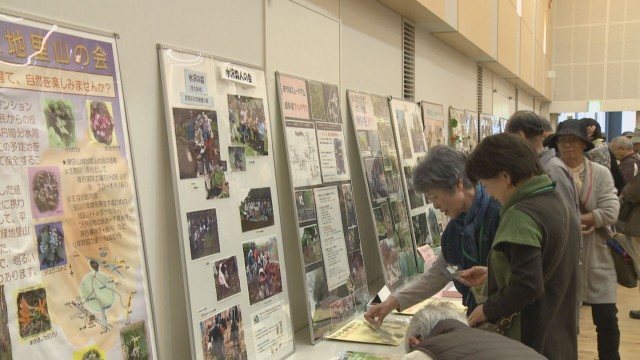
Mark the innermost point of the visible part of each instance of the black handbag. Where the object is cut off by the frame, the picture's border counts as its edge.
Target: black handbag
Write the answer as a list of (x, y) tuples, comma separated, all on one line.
[(625, 271)]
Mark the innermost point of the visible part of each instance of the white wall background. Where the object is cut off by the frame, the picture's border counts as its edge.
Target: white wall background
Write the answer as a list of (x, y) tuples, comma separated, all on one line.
[(354, 43)]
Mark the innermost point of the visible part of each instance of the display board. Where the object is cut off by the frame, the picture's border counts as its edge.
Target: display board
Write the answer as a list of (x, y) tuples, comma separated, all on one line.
[(427, 222), (227, 207), (463, 130), (503, 124), (489, 125), (377, 147), (434, 126), (73, 279), (329, 243)]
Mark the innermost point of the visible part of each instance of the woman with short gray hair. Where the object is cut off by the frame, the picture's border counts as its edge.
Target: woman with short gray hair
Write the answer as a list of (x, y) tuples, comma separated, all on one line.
[(465, 241)]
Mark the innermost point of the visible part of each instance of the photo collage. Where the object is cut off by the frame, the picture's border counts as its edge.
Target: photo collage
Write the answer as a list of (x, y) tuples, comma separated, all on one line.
[(225, 175), (381, 163), (329, 240)]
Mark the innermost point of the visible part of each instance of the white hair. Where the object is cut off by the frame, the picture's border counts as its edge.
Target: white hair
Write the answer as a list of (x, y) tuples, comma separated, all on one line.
[(622, 142), (426, 319)]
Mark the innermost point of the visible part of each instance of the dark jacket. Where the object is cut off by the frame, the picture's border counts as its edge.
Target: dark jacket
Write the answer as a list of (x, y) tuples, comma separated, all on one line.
[(630, 166), (467, 239), (629, 218), (452, 340), (533, 270)]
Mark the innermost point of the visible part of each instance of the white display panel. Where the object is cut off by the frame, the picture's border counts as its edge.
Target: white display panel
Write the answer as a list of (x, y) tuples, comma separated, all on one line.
[(74, 277), (329, 243), (227, 204)]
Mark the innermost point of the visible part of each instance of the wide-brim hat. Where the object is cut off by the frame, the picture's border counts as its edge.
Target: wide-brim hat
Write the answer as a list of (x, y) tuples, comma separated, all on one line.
[(636, 136), (570, 127)]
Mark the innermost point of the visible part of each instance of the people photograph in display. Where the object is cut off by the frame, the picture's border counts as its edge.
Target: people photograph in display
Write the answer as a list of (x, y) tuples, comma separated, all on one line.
[(101, 124), (352, 239), (417, 135), (349, 205), (305, 205), (227, 277), (311, 248), (61, 123), (262, 265), (317, 292), (374, 168), (390, 261), (237, 158), (416, 199), (421, 230), (316, 101), (332, 103), (341, 310), (256, 209), (248, 125), (204, 239), (51, 252), (197, 142), (405, 143), (356, 269), (223, 335)]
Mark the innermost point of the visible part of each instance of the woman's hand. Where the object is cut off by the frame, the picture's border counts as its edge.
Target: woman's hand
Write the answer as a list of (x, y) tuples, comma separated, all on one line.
[(376, 314), (477, 316), (474, 276)]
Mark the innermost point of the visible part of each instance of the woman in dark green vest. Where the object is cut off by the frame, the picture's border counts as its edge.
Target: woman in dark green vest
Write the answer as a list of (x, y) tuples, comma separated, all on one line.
[(532, 271)]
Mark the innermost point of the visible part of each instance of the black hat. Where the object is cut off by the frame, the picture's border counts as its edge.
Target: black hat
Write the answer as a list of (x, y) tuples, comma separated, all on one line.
[(569, 127)]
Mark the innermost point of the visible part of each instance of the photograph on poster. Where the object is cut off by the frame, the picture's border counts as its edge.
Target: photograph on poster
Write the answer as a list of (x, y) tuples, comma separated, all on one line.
[(381, 228), (361, 298), (486, 126), (197, 142), (349, 205), (390, 261), (405, 144), (421, 230), (341, 310), (368, 143), (316, 101), (434, 132), (402, 229), (227, 277), (380, 107), (311, 248), (215, 182), (417, 135), (303, 153), (223, 335), (248, 124), (50, 245), (101, 124), (203, 233), (434, 227), (317, 292), (416, 199), (352, 238), (5, 336), (46, 192), (256, 209), (356, 265), (374, 169), (262, 266), (305, 205), (407, 263), (61, 123), (332, 103), (237, 158), (388, 222), (394, 180), (33, 312), (135, 344)]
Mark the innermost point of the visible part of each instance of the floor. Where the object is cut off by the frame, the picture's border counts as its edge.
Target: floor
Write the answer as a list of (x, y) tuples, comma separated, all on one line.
[(628, 299)]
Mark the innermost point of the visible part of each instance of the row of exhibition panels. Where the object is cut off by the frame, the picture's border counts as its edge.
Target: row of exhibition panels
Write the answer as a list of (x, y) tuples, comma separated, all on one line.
[(220, 133)]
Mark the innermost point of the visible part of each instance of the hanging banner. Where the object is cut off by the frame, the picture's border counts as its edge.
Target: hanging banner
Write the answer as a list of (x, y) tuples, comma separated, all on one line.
[(335, 278), (227, 207), (73, 281)]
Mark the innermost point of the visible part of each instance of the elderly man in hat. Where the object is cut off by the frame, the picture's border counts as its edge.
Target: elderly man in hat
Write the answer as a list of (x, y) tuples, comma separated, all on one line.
[(635, 140)]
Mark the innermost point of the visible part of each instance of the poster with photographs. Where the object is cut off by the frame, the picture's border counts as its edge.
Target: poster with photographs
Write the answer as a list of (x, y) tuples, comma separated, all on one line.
[(74, 271), (458, 131), (503, 124), (381, 163), (485, 125), (328, 237), (221, 152), (434, 124), (471, 135)]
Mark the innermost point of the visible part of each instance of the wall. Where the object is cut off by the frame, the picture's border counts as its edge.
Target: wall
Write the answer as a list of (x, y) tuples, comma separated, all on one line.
[(355, 43)]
